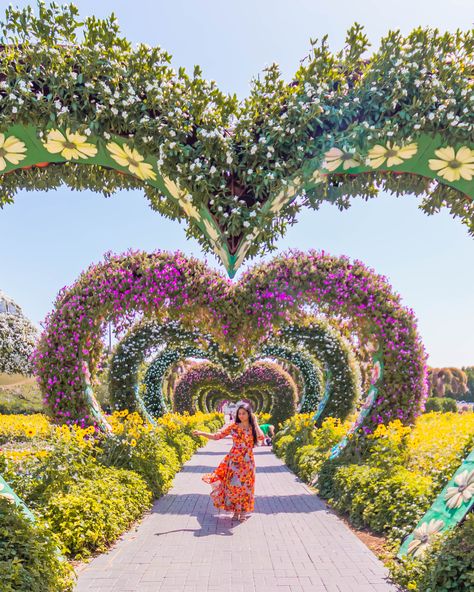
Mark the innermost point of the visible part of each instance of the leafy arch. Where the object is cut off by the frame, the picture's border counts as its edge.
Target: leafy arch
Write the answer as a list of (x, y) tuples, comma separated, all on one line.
[(342, 374), (310, 371), (346, 125), (280, 389)]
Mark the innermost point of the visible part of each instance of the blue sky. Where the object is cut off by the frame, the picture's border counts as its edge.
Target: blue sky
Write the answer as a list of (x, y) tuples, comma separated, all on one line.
[(47, 239)]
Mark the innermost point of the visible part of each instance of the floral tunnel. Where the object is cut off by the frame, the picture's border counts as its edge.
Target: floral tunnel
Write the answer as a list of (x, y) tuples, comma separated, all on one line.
[(239, 316), (308, 369), (346, 125), (342, 376), (266, 384), (132, 352)]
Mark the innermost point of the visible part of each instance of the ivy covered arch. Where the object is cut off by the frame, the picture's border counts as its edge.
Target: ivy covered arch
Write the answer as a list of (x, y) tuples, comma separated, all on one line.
[(308, 366), (341, 370), (344, 126), (151, 387), (139, 343)]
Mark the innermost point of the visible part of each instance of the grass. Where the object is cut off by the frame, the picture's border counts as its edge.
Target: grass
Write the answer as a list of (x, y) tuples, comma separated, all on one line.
[(19, 394)]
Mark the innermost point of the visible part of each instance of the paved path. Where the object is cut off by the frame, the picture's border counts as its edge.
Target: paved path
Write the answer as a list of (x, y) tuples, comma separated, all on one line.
[(290, 544)]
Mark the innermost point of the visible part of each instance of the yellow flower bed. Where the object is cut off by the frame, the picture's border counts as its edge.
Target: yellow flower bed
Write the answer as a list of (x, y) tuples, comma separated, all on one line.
[(439, 441), (434, 446), (17, 456), (132, 426), (24, 427)]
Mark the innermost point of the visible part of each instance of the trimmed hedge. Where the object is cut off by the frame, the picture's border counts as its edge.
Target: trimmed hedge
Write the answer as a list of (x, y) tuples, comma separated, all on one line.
[(28, 558)]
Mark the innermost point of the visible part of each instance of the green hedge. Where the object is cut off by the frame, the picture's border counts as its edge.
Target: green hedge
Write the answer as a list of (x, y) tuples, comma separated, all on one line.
[(449, 566), (93, 513), (28, 559), (443, 404)]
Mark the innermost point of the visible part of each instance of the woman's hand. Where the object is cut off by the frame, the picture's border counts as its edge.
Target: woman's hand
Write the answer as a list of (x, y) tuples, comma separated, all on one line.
[(196, 433)]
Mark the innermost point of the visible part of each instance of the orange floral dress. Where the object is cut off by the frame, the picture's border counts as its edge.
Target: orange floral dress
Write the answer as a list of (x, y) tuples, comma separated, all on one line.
[(233, 482)]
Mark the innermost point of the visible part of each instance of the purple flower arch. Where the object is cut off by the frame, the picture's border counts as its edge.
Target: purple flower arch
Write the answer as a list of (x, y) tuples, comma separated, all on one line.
[(240, 316), (273, 385)]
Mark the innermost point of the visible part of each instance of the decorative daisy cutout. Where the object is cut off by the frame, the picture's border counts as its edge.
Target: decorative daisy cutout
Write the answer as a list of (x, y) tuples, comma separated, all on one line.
[(71, 145), (391, 153), (376, 372), (462, 492), (5, 494), (211, 231), (423, 536), (452, 165), (12, 150), (132, 160), (285, 195), (335, 157)]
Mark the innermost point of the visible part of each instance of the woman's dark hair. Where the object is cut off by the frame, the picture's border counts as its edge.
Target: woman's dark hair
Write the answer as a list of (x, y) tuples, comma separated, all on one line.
[(248, 408)]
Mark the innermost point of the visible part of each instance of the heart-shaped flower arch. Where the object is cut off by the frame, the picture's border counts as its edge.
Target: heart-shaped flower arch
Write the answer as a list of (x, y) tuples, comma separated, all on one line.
[(238, 172), (239, 316), (270, 384), (317, 337)]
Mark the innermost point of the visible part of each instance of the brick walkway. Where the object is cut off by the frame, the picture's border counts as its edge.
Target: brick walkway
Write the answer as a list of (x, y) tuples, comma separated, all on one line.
[(290, 544)]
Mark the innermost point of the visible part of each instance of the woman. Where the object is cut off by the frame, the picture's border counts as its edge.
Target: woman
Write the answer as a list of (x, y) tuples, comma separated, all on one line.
[(233, 482)]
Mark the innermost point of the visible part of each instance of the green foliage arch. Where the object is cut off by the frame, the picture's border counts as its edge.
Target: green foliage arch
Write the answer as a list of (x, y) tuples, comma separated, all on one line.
[(74, 91)]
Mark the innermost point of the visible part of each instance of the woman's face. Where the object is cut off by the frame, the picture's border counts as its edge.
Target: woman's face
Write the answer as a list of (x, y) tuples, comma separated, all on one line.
[(243, 414)]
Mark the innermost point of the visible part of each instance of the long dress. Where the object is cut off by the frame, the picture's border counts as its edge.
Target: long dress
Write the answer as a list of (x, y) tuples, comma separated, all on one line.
[(233, 482)]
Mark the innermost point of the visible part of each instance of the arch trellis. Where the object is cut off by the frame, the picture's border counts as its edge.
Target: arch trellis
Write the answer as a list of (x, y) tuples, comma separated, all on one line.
[(310, 370), (239, 317), (152, 392), (75, 92), (140, 342), (342, 375), (275, 384)]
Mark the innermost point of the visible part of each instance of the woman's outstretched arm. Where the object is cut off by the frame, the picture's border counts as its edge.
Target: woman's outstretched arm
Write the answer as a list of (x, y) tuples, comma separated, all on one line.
[(204, 434), (222, 433)]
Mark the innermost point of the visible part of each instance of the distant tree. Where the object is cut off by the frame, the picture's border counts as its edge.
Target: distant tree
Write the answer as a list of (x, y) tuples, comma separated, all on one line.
[(469, 370), (448, 382)]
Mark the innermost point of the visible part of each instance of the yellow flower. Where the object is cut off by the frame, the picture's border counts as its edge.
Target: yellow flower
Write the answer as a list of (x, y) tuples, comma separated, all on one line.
[(12, 150), (393, 154), (131, 159), (335, 157), (30, 432), (71, 145), (452, 165), (133, 442)]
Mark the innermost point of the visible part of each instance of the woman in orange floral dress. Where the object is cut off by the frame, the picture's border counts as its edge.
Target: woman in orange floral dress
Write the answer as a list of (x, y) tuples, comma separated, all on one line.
[(233, 482)]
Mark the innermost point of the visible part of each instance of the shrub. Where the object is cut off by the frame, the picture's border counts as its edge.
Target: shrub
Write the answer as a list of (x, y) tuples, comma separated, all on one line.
[(443, 404), (156, 461), (447, 566), (94, 512), (28, 557)]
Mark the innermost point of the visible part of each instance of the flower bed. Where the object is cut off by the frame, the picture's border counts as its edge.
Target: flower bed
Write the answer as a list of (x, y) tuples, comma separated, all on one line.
[(91, 488), (387, 481)]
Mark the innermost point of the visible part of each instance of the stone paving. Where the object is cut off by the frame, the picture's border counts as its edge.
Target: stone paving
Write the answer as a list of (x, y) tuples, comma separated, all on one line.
[(291, 543)]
